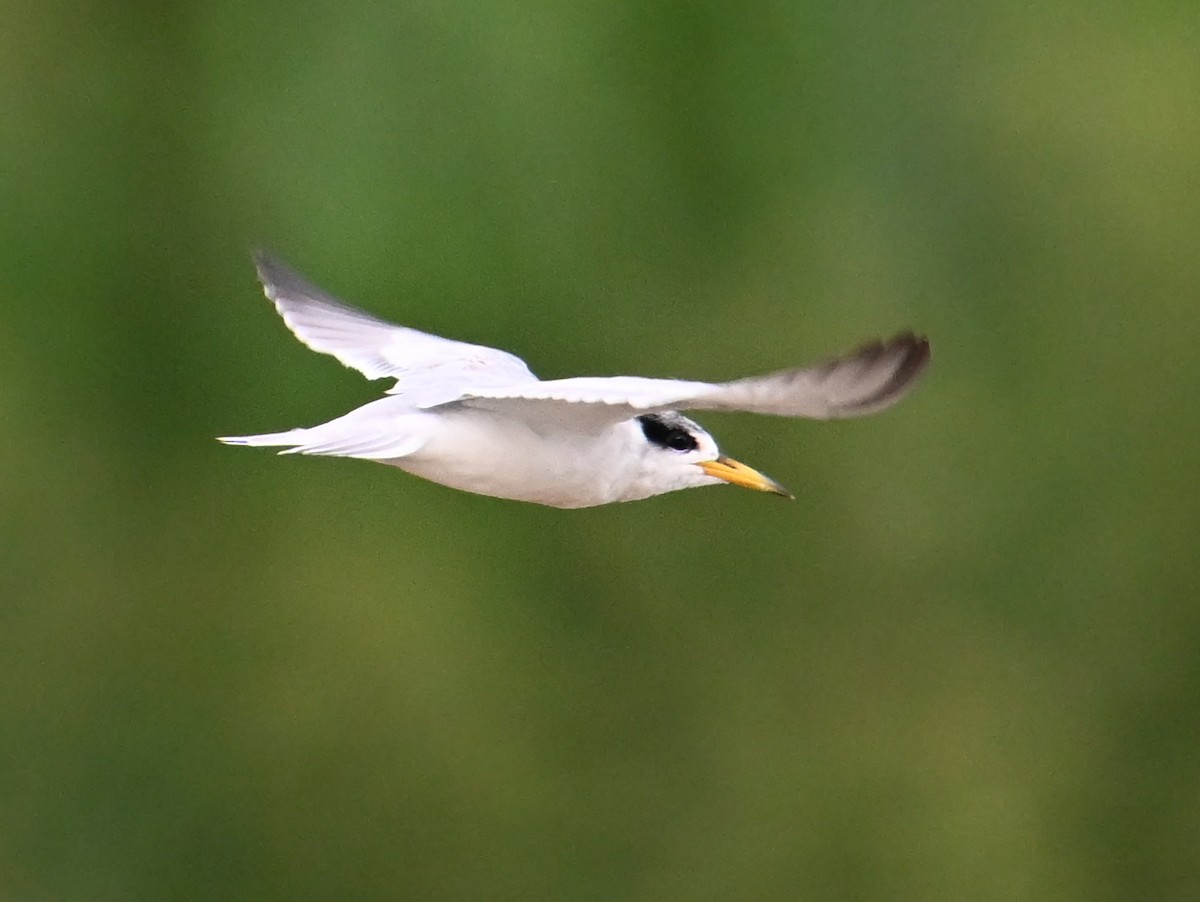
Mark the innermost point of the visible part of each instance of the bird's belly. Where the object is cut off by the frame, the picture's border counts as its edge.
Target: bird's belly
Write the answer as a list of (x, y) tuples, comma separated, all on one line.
[(509, 460)]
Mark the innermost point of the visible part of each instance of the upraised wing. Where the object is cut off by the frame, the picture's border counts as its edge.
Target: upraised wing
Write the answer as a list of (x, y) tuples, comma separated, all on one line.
[(868, 380), (430, 367)]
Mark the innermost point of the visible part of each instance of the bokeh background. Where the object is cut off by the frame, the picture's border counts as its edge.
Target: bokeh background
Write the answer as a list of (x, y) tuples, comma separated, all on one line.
[(965, 665)]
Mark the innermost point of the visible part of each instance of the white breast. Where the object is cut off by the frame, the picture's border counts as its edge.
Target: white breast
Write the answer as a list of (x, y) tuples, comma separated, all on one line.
[(479, 451)]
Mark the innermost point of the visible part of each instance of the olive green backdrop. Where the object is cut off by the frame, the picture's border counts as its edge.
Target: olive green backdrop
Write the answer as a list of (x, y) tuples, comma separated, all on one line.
[(964, 665)]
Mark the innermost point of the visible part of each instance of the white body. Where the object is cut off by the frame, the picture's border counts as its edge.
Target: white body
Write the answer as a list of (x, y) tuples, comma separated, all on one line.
[(530, 468)]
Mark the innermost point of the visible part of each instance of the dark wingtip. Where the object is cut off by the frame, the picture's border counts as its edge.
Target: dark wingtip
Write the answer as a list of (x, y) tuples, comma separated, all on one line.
[(915, 356), (281, 281), (270, 269)]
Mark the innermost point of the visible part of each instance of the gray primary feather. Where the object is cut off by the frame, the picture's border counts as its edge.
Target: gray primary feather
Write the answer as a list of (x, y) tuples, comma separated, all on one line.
[(869, 380)]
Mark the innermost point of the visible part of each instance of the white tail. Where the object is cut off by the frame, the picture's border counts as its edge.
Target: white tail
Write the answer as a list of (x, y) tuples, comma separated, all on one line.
[(371, 432)]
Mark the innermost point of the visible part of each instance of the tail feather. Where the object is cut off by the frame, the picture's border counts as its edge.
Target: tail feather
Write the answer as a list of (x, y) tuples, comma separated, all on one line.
[(348, 436), (293, 437), (381, 430)]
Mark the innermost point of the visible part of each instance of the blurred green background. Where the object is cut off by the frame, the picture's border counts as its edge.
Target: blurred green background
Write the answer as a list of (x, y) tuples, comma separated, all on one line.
[(965, 665)]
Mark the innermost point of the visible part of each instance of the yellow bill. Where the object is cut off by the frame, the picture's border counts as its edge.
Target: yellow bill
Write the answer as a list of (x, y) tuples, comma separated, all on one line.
[(732, 471)]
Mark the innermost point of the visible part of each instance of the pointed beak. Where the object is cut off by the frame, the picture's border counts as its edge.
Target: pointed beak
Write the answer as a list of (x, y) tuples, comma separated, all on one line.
[(731, 471)]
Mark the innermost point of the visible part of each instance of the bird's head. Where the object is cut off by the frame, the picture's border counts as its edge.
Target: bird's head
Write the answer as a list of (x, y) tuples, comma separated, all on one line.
[(678, 453)]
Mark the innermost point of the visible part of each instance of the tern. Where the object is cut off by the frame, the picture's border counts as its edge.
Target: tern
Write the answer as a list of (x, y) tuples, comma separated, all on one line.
[(477, 419)]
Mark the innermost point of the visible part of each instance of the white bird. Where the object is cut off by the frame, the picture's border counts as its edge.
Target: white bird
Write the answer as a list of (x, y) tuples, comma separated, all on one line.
[(475, 418)]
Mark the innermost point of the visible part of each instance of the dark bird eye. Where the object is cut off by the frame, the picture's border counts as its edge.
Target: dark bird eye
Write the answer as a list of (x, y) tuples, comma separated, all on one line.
[(667, 435)]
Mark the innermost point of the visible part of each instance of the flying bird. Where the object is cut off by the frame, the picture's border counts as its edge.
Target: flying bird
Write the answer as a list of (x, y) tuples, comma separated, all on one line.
[(477, 419)]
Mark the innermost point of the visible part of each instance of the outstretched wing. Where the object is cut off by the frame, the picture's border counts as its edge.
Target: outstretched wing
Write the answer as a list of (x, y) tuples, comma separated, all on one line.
[(427, 366), (868, 380), (431, 371)]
